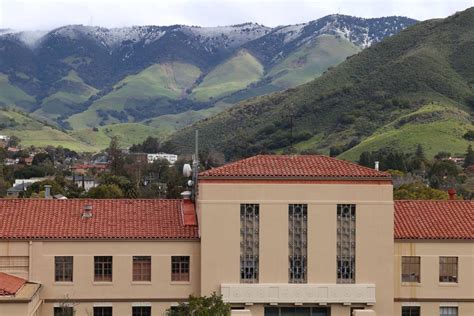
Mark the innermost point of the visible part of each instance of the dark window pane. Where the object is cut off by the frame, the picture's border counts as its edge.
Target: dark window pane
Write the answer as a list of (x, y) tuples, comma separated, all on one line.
[(102, 311), (249, 243), (141, 311), (103, 268), (141, 268), (411, 269), (448, 269), (63, 311), (180, 268), (410, 311), (63, 268)]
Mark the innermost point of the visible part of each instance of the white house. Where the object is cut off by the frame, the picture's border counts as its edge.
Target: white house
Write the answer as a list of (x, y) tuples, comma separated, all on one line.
[(170, 157)]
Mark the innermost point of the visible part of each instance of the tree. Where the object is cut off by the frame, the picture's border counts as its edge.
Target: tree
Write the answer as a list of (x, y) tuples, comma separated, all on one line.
[(202, 306), (116, 158), (418, 191), (469, 160), (105, 191)]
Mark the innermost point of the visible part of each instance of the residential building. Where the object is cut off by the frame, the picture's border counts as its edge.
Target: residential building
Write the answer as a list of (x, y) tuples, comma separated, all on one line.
[(275, 235), (84, 181), (92, 168), (22, 185), (170, 157)]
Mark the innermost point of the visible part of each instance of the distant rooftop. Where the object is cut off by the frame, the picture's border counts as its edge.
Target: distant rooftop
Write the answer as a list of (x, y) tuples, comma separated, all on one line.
[(294, 166)]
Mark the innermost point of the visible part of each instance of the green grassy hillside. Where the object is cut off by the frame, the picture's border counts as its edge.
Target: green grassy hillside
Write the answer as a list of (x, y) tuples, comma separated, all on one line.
[(356, 101), (311, 60), (11, 95), (235, 74), (168, 80)]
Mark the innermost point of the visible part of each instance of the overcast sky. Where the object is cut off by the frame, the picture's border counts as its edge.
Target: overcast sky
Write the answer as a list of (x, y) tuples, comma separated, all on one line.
[(48, 14)]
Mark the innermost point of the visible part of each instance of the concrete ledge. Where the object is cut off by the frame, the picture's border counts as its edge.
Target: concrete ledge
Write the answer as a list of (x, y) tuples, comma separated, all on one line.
[(298, 293)]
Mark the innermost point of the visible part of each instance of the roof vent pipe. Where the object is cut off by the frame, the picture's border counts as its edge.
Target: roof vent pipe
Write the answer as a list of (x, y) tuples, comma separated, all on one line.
[(452, 194), (87, 213), (377, 164), (47, 192)]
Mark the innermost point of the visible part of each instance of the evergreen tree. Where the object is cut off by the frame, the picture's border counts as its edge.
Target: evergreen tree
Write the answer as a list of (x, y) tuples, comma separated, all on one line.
[(116, 157), (469, 160)]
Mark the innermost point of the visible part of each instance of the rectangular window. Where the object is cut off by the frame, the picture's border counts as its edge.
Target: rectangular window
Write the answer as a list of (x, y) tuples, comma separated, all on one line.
[(180, 268), (448, 311), (103, 268), (448, 269), (296, 311), (298, 239), (102, 311), (141, 268), (63, 311), (141, 311), (63, 267), (411, 269), (410, 310), (249, 243), (346, 243)]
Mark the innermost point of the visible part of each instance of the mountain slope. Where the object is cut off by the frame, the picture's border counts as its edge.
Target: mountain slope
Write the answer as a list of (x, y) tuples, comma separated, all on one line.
[(425, 63), (82, 76)]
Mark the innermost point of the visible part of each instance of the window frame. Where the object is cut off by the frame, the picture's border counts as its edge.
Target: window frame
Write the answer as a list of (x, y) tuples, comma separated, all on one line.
[(102, 267), (413, 311), (409, 269), (298, 243), (141, 313), (61, 311), (179, 265), (446, 267), (249, 242), (103, 313), (346, 243), (64, 269), (455, 308), (141, 270)]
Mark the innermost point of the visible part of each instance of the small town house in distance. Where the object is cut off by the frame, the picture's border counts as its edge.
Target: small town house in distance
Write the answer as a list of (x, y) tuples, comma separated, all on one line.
[(274, 235)]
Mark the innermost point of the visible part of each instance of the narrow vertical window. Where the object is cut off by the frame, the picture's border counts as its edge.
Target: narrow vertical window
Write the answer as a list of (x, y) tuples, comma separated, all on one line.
[(410, 310), (63, 268), (448, 269), (141, 268), (411, 269), (180, 268), (448, 311), (103, 268), (249, 242), (346, 243), (298, 238)]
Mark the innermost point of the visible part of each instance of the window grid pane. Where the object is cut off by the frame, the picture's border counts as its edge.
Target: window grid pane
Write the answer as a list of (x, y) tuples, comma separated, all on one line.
[(141, 268), (141, 311), (180, 268), (411, 269), (448, 269), (249, 243), (346, 243), (63, 268), (410, 311), (448, 311), (102, 311), (298, 239), (63, 311), (103, 268)]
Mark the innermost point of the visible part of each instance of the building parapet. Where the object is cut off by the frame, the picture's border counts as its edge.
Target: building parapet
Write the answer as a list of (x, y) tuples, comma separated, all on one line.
[(299, 293)]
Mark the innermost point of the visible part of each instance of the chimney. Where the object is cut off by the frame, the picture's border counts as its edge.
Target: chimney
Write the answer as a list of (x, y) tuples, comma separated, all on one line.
[(47, 192), (87, 212), (452, 194), (377, 165)]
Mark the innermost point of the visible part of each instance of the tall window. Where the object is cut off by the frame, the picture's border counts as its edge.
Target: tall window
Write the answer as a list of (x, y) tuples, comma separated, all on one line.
[(180, 268), (298, 239), (103, 269), (448, 269), (141, 311), (103, 311), (249, 242), (410, 310), (411, 269), (448, 311), (63, 267), (63, 311), (346, 243), (141, 268)]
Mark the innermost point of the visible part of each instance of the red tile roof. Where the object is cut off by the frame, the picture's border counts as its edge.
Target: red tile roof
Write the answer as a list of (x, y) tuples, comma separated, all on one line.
[(10, 284), (111, 219), (292, 166), (434, 219)]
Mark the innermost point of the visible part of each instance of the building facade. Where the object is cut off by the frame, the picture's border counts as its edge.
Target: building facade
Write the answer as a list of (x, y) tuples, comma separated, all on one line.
[(274, 235)]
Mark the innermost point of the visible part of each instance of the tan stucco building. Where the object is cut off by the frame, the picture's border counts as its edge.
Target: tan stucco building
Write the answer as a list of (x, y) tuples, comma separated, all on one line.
[(275, 235)]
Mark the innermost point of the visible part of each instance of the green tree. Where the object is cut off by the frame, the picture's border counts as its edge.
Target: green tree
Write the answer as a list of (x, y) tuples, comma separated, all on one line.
[(469, 160), (202, 306), (418, 191), (105, 191), (116, 157)]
